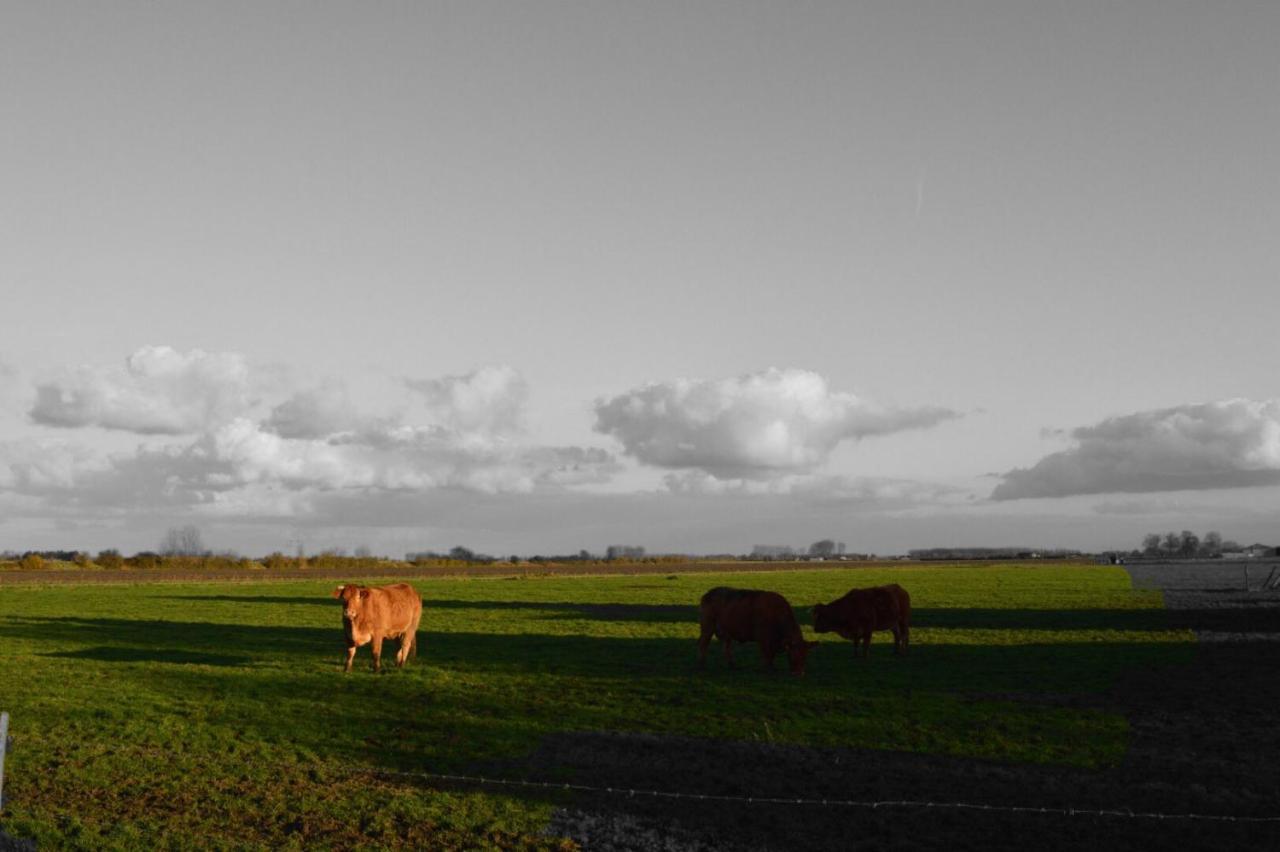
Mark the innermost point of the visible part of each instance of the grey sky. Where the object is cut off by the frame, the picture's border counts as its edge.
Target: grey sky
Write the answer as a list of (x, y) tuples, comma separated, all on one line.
[(1038, 217)]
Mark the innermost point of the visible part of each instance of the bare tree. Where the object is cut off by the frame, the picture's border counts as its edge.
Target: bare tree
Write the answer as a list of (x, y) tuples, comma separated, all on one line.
[(823, 548), (1151, 544), (183, 541)]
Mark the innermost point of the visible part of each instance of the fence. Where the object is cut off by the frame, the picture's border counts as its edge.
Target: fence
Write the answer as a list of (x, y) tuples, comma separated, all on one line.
[(831, 803), (4, 746)]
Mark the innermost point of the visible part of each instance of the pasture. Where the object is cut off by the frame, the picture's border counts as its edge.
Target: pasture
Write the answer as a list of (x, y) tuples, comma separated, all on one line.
[(180, 715)]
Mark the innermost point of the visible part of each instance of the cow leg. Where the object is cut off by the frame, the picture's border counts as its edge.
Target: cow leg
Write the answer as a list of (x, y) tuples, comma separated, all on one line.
[(728, 651), (906, 636), (897, 640), (351, 655), (767, 652), (402, 652), (704, 640), (376, 647)]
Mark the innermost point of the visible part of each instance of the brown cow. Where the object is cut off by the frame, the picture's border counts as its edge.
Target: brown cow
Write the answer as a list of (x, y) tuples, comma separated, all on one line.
[(862, 611), (385, 612), (748, 615)]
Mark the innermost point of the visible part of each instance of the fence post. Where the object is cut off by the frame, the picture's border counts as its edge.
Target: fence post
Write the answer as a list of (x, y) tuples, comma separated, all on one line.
[(4, 746)]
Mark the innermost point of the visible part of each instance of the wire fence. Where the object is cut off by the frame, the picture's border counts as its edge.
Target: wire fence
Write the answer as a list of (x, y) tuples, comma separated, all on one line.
[(629, 792)]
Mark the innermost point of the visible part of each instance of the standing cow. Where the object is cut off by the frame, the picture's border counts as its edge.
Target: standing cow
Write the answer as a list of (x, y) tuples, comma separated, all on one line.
[(748, 615), (370, 615), (862, 611)]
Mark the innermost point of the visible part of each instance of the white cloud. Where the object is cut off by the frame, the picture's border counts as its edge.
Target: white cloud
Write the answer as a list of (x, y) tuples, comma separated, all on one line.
[(160, 391), (759, 425), (488, 400), (315, 413), (870, 493), (1228, 444), (243, 465)]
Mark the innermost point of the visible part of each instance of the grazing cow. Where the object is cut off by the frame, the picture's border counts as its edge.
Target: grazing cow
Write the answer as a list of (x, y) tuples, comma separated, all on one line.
[(862, 611), (385, 612), (746, 615)]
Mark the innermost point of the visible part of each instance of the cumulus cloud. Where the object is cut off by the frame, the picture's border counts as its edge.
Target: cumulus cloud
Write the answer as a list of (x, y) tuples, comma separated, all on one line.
[(160, 391), (490, 399), (241, 465), (1228, 444), (755, 426), (865, 492), (314, 413)]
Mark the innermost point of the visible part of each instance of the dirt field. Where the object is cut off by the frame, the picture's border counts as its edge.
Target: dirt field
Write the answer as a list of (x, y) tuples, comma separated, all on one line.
[(404, 571)]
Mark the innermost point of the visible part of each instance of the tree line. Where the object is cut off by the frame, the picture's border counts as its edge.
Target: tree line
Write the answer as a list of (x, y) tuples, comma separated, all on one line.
[(1187, 545)]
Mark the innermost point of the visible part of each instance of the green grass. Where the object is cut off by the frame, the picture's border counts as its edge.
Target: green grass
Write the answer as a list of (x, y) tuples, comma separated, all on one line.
[(207, 715)]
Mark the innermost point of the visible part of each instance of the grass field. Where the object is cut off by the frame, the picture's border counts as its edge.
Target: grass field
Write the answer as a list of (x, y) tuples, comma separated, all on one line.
[(205, 715)]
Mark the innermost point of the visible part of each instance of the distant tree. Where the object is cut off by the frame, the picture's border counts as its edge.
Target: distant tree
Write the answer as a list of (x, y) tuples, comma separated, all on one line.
[(462, 553), (110, 559), (81, 559), (826, 547), (32, 562), (1212, 544), (1151, 544), (1230, 546), (363, 552), (1172, 541), (183, 541), (276, 561), (513, 559), (1188, 544), (146, 560)]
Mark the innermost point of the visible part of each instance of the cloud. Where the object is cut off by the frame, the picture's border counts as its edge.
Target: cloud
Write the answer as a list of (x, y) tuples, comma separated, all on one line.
[(871, 493), (242, 465), (160, 391), (490, 399), (1229, 444), (314, 413), (755, 426)]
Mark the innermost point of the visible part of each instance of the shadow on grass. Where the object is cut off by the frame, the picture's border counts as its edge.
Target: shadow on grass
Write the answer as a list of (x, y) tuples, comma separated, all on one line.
[(320, 600), (110, 654), (930, 665), (941, 618)]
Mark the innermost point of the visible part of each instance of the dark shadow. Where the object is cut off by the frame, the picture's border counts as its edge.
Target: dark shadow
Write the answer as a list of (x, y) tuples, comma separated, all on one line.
[(247, 640), (1242, 620), (108, 654), (658, 613), (322, 600), (1042, 619)]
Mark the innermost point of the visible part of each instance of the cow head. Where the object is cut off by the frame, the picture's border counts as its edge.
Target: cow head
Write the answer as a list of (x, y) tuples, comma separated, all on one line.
[(797, 651), (822, 619), (353, 598)]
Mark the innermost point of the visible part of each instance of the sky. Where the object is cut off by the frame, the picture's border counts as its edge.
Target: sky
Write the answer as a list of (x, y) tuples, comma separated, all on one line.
[(541, 277)]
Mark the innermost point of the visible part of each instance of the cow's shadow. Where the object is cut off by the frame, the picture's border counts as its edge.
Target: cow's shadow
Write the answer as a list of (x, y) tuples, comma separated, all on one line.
[(176, 656)]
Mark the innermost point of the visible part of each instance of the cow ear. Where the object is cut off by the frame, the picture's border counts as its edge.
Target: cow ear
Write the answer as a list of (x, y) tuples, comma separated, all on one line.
[(337, 593), (364, 593)]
